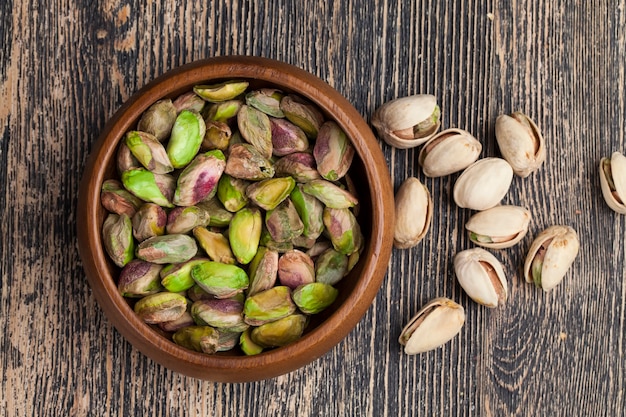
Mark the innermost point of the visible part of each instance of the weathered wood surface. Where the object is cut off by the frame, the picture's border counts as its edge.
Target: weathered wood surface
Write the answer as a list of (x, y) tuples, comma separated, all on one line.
[(66, 66)]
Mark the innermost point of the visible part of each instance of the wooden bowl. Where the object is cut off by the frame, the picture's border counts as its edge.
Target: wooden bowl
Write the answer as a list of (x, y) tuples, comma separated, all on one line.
[(356, 291)]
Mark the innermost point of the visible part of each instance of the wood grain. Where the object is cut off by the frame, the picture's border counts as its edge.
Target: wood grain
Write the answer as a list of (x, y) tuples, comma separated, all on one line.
[(66, 66)]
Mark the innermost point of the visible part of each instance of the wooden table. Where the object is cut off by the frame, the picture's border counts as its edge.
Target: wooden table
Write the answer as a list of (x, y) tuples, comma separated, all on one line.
[(66, 67)]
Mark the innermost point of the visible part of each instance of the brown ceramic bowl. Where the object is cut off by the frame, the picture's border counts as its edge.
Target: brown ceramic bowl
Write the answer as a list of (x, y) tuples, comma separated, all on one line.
[(356, 291)]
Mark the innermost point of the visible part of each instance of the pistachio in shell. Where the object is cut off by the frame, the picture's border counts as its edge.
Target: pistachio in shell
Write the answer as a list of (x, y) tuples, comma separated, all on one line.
[(482, 277), (449, 151), (521, 143), (413, 212), (613, 181), (483, 184), (498, 227)]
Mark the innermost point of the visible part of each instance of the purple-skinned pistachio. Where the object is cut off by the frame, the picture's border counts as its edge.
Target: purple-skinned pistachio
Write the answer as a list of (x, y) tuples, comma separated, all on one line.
[(269, 305), (303, 242), (176, 277), (287, 138), (148, 151), (203, 339), (256, 129), (246, 162), (333, 151), (189, 101), (167, 249), (161, 307), (269, 193), (330, 194), (224, 111), (219, 279), (125, 159), (310, 210), (151, 187), (227, 340), (224, 314), (116, 199), (219, 216), (184, 219), (283, 222), (343, 230), (187, 135), (139, 278), (185, 320), (266, 100), (314, 297), (299, 165), (198, 181), (149, 221), (320, 246), (280, 332), (303, 114), (217, 136), (196, 293), (117, 236), (216, 93), (244, 234), (215, 245), (231, 192), (267, 241), (330, 267), (158, 119), (263, 270), (295, 268)]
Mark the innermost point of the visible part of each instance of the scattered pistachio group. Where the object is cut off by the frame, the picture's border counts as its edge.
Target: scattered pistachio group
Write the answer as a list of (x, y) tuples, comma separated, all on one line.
[(233, 217)]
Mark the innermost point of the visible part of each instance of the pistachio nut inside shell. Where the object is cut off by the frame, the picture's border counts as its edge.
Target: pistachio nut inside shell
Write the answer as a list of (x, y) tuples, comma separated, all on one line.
[(414, 213), (409, 121), (482, 277), (613, 181), (521, 143), (434, 325), (498, 227), (483, 184), (449, 151), (550, 256)]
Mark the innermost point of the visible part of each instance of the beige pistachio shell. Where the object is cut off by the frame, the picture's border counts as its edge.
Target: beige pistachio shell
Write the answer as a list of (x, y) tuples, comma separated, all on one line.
[(482, 277), (483, 184), (408, 122), (414, 212), (613, 181), (521, 143), (550, 256), (434, 325), (449, 151), (498, 227)]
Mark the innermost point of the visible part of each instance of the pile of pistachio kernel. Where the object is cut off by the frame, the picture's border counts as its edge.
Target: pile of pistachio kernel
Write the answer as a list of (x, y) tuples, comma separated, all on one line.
[(233, 217)]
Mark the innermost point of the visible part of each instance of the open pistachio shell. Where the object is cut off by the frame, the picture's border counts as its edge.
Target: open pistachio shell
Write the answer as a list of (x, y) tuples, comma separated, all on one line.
[(550, 256), (482, 277), (521, 143), (483, 184), (448, 152), (613, 181), (414, 212), (498, 227)]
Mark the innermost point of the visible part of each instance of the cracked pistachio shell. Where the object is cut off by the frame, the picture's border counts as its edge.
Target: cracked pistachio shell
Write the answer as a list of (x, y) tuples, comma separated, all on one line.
[(247, 345), (184, 219), (414, 212), (231, 192), (185, 320), (299, 165), (550, 256), (263, 270), (521, 143), (219, 216), (613, 181), (287, 138), (224, 314), (150, 187), (189, 101), (269, 305), (203, 339), (283, 223), (434, 325), (217, 93), (149, 221), (266, 100), (269, 193), (483, 184), (482, 277), (187, 135), (408, 122), (219, 279), (246, 162), (139, 278), (295, 268), (343, 230), (217, 136), (314, 297), (303, 114), (449, 151), (167, 249), (329, 194), (116, 199), (176, 277), (215, 245), (330, 267), (117, 236), (224, 111), (333, 151), (256, 129), (198, 181), (498, 227), (158, 119), (125, 159), (280, 332), (310, 210), (161, 307), (244, 234)]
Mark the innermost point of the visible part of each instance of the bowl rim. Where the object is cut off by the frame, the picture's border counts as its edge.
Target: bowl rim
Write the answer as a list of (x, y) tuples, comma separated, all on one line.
[(376, 255)]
